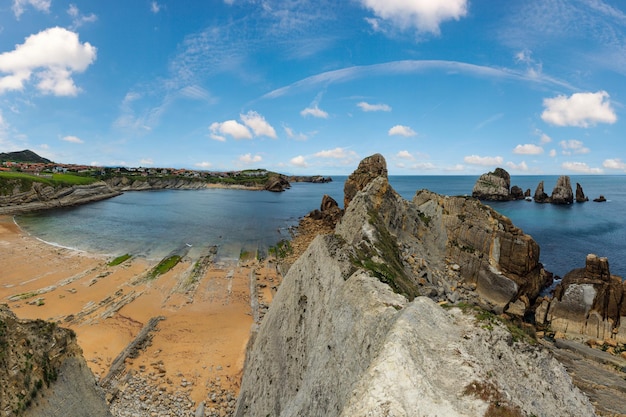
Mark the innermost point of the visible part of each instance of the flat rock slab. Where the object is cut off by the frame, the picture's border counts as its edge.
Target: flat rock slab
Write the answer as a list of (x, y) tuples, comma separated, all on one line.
[(596, 373)]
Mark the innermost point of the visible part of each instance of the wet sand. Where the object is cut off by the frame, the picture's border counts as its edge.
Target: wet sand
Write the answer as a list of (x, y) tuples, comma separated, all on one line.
[(200, 342)]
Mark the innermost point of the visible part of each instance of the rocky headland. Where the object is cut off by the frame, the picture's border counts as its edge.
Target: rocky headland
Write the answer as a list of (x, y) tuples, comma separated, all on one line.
[(356, 329)]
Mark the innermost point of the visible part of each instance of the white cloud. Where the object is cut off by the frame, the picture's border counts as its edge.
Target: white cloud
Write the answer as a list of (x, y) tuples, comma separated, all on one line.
[(423, 15), (52, 56), (258, 124), (72, 139), (404, 155), (580, 167), (373, 107), (155, 7), (315, 112), (518, 167), (337, 153), (79, 19), (294, 135), (614, 164), (41, 5), (299, 161), (203, 165), (573, 146), (146, 161), (545, 138), (483, 160), (424, 166), (580, 110), (229, 127), (400, 130), (250, 159), (552, 153), (528, 149)]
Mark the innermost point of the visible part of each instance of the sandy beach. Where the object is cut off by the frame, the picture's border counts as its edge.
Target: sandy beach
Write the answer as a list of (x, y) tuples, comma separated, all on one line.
[(201, 340)]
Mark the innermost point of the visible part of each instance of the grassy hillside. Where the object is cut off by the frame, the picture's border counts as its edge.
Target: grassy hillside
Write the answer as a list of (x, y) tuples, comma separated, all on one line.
[(9, 180)]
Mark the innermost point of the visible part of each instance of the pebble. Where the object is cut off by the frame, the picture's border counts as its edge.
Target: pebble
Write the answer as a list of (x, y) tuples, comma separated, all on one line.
[(141, 398)]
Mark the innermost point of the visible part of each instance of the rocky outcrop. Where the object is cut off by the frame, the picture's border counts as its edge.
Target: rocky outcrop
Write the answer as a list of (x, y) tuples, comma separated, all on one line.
[(43, 373), (40, 196), (126, 183), (562, 192), (348, 332), (496, 186), (590, 302), (368, 169), (580, 194), (600, 199), (277, 184), (540, 195)]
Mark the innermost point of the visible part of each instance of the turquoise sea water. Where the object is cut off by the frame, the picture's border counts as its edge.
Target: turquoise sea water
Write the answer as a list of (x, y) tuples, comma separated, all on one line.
[(153, 223)]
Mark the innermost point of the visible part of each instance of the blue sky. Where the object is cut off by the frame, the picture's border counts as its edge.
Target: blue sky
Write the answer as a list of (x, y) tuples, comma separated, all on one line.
[(311, 87)]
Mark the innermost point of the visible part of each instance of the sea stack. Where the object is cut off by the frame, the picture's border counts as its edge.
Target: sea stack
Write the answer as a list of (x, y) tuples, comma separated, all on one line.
[(562, 192), (580, 195)]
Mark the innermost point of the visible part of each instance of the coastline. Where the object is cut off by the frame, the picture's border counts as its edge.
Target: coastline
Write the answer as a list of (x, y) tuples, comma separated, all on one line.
[(197, 349)]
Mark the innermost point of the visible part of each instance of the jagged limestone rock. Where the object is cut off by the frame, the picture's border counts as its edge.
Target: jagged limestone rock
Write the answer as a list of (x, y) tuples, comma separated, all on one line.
[(540, 195), (347, 334), (493, 186), (338, 342), (369, 168), (580, 194), (562, 192), (589, 301)]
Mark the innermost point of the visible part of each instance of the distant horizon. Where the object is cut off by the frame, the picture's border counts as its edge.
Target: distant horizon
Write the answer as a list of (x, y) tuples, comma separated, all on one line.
[(439, 87)]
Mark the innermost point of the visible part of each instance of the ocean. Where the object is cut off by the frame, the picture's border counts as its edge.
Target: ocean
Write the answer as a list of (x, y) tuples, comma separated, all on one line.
[(154, 223)]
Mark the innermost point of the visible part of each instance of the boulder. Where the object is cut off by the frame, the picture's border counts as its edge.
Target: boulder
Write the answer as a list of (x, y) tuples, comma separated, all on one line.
[(369, 168), (540, 195), (516, 193), (589, 301), (493, 186), (277, 184), (562, 192), (600, 199), (580, 195)]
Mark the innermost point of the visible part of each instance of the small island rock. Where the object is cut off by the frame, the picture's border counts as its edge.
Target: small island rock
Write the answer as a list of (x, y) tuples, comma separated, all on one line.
[(562, 192), (580, 195), (493, 186), (540, 195)]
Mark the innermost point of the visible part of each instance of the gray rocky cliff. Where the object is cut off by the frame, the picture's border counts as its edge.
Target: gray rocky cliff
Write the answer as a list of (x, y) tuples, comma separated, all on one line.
[(124, 183), (41, 197), (43, 372), (349, 333)]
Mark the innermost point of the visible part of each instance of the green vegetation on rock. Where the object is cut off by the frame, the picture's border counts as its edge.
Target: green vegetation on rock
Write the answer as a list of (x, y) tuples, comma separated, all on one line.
[(120, 259), (164, 266)]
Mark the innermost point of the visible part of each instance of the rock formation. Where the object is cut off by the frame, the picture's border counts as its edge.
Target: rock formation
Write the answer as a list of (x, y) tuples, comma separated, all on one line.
[(540, 195), (43, 373), (493, 186), (349, 334), (40, 196), (590, 302), (496, 186), (580, 194), (562, 192), (277, 184), (368, 169), (600, 199)]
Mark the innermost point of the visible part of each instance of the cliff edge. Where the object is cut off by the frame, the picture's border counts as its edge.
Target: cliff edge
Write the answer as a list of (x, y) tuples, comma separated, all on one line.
[(349, 332), (43, 372)]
